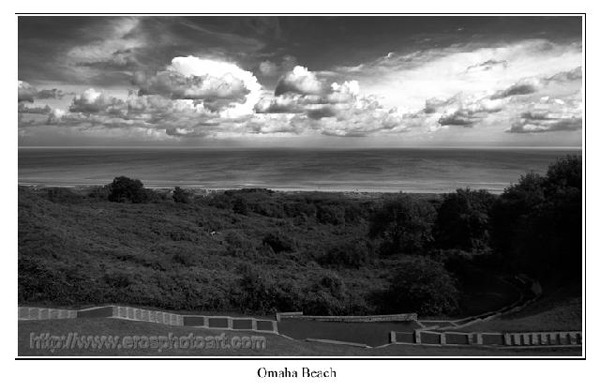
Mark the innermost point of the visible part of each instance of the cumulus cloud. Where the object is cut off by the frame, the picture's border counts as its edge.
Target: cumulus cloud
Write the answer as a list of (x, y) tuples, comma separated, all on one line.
[(222, 84), (546, 123), (288, 103), (92, 101), (55, 116), (299, 81), (155, 113), (335, 109), (23, 108), (550, 115), (53, 93), (26, 92), (459, 110)]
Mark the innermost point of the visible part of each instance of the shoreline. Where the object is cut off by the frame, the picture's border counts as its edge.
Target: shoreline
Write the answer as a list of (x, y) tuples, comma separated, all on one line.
[(202, 190)]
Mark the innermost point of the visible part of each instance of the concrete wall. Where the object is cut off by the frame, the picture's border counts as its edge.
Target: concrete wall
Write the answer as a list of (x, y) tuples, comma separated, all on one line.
[(35, 313), (349, 319), (161, 317), (559, 338)]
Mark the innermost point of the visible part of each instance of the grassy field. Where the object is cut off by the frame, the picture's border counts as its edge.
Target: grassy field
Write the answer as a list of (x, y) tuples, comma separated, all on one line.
[(275, 345)]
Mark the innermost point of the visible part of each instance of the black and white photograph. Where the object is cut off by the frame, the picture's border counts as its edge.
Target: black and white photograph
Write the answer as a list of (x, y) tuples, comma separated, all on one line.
[(332, 185)]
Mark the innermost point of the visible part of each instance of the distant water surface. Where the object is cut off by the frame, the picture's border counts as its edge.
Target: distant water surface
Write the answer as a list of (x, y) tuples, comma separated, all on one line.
[(368, 170)]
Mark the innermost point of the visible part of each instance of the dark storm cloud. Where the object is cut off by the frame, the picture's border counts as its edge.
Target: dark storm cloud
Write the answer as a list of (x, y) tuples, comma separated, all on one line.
[(322, 112), (460, 118), (487, 65), (520, 88)]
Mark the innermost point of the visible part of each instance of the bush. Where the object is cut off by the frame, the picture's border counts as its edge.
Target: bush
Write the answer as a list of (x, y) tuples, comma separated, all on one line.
[(463, 220), (326, 296), (330, 214), (184, 257), (240, 206), (124, 189), (99, 192), (181, 196), (423, 286), (240, 247), (62, 195), (352, 254), (279, 242), (403, 224)]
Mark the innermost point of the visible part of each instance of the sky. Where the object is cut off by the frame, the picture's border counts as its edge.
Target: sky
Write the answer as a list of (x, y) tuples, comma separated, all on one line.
[(300, 81)]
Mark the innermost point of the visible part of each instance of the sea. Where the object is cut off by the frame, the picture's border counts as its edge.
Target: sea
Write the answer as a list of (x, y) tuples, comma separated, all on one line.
[(414, 170)]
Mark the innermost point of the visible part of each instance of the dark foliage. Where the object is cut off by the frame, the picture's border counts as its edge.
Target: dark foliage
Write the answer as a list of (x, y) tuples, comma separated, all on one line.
[(352, 254), (537, 223), (124, 189), (63, 195), (423, 286), (181, 196), (404, 225), (463, 220), (279, 242)]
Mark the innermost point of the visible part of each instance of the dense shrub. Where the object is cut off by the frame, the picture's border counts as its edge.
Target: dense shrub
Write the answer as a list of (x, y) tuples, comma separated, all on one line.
[(181, 196), (184, 257), (423, 286), (259, 292), (124, 189), (240, 206), (404, 225), (279, 242), (353, 254), (537, 223), (300, 209), (117, 280), (463, 220), (100, 193), (239, 246), (330, 214), (326, 296), (62, 195)]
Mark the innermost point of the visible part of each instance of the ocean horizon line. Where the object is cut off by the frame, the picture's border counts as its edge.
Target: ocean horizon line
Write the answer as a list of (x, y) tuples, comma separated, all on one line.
[(554, 148)]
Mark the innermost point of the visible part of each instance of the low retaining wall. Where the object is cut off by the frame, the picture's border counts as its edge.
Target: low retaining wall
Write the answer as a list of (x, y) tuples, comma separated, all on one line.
[(426, 337), (349, 319), (161, 317), (34, 313)]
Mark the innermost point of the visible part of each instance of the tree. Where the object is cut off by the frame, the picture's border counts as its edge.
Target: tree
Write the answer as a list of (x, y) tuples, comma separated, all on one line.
[(509, 215), (124, 189), (403, 224), (463, 220), (423, 286), (537, 223)]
